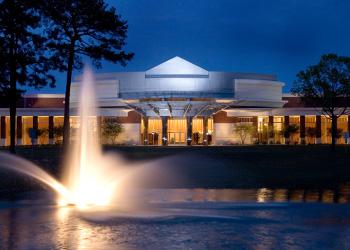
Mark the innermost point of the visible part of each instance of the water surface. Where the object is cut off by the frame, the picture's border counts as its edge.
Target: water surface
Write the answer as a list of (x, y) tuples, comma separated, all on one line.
[(186, 219)]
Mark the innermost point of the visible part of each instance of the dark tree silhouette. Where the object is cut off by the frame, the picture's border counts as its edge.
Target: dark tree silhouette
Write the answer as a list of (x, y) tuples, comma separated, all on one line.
[(83, 28), (326, 85), (22, 57), (4, 78)]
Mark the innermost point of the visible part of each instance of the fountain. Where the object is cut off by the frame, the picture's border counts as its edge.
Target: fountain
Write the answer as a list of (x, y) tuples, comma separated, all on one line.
[(94, 181), (91, 177)]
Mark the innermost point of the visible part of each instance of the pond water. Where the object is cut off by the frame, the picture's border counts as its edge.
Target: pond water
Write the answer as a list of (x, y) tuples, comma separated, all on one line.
[(184, 219)]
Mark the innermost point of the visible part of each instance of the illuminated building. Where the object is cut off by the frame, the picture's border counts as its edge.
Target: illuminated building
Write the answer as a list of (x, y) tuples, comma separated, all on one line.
[(179, 103)]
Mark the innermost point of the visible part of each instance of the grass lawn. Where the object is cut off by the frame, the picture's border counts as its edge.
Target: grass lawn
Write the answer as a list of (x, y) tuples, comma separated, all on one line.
[(275, 166)]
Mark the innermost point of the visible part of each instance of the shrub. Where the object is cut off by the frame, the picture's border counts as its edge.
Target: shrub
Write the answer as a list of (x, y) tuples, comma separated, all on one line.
[(111, 129), (58, 134), (289, 130), (196, 137), (338, 134), (243, 130)]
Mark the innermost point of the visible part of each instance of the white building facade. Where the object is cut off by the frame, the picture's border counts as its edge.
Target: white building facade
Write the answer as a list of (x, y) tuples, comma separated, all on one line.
[(179, 103)]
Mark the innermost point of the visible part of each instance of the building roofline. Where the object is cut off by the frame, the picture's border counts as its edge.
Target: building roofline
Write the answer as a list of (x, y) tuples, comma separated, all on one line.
[(44, 95), (289, 95)]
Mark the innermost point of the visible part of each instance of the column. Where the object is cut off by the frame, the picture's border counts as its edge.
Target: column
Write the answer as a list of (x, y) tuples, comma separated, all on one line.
[(145, 130), (34, 135), (348, 142), (286, 133), (255, 127), (3, 130), (164, 130), (189, 130), (205, 130), (302, 129), (19, 130), (334, 123), (318, 129), (271, 130), (51, 129), (99, 128)]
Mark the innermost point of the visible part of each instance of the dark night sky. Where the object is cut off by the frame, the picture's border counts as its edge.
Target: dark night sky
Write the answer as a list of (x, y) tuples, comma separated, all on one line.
[(276, 36)]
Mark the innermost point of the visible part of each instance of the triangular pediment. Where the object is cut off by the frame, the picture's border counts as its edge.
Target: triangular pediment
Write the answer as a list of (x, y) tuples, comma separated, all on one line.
[(177, 66)]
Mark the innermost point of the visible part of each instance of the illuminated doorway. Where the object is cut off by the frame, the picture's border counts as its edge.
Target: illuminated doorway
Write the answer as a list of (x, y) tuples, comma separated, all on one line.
[(177, 130), (154, 136)]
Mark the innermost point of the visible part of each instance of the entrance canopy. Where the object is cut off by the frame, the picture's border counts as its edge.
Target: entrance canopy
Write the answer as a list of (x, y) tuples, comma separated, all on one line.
[(179, 88), (178, 107)]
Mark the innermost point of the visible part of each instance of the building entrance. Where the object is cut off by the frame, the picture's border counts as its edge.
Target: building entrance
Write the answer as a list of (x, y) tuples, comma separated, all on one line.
[(154, 136), (177, 138), (177, 128)]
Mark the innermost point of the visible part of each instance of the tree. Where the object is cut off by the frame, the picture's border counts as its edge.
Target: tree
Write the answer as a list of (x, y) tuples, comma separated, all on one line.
[(290, 130), (22, 56), (111, 129), (58, 134), (326, 85), (271, 134), (39, 133), (243, 130), (311, 133), (339, 132), (264, 134), (83, 28)]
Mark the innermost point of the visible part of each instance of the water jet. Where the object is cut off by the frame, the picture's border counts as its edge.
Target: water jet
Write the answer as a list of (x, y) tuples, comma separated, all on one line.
[(90, 177)]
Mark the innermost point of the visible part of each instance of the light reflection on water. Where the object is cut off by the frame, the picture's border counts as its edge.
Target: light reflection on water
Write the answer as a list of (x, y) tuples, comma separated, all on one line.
[(254, 226), (252, 218), (341, 194)]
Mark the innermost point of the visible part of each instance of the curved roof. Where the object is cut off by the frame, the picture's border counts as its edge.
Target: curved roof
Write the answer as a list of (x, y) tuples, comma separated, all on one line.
[(155, 90)]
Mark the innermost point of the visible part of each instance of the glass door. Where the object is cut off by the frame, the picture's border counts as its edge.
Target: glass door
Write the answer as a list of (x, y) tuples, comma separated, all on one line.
[(177, 128), (177, 138)]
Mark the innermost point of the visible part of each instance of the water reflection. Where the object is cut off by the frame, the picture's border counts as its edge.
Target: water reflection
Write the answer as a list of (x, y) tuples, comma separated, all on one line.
[(72, 232), (270, 226), (64, 238), (264, 195), (340, 194)]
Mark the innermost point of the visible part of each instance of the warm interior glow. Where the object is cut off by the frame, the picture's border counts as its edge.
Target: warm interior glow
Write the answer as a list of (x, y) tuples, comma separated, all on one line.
[(177, 130), (224, 100)]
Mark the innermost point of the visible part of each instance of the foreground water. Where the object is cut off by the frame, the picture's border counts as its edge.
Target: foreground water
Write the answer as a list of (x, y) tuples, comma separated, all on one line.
[(178, 219)]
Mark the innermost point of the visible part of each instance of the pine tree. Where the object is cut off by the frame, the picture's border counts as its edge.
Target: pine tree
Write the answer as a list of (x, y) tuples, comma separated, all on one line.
[(83, 28), (22, 57)]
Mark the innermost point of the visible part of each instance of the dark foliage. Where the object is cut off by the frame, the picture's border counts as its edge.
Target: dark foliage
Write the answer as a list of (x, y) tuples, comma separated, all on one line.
[(290, 130), (326, 85), (83, 28), (196, 136), (22, 55), (311, 132)]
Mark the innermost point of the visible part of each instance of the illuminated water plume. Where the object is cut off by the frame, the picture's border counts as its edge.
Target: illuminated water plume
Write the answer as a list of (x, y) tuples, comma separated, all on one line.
[(91, 177)]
